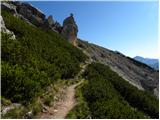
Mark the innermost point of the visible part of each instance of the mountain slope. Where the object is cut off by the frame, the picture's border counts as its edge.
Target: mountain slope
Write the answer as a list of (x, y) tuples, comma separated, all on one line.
[(137, 73), (36, 57), (154, 63), (110, 90), (39, 57), (106, 95)]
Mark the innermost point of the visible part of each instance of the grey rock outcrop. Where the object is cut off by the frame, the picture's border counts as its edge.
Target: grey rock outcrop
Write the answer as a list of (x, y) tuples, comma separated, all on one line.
[(31, 15), (3, 27), (5, 30), (57, 27), (70, 29), (35, 17), (54, 25), (9, 7), (28, 10)]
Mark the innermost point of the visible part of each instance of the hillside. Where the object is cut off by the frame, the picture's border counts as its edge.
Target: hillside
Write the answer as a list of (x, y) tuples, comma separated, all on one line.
[(137, 73), (34, 60), (47, 72)]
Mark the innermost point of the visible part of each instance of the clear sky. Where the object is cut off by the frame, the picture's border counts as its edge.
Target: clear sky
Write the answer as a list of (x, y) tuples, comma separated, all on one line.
[(128, 27)]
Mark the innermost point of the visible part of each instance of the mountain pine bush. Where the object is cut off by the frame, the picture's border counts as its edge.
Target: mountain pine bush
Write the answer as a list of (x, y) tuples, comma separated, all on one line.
[(110, 96), (35, 59)]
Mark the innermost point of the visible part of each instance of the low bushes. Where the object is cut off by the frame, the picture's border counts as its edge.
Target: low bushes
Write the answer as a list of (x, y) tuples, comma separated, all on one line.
[(34, 60), (109, 96)]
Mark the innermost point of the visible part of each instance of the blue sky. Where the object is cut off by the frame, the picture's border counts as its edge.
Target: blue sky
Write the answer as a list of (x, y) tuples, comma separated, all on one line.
[(128, 27)]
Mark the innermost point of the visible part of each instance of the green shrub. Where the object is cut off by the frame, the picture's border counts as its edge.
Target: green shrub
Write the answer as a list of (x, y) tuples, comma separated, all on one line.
[(48, 100), (81, 110), (110, 96), (35, 107), (35, 59), (142, 100), (5, 101)]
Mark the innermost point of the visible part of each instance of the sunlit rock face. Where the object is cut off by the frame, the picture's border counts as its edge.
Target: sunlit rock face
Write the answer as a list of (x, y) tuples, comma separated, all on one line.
[(5, 30), (70, 29)]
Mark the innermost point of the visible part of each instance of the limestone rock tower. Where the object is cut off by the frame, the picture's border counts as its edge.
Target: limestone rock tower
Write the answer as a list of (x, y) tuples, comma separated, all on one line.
[(70, 29)]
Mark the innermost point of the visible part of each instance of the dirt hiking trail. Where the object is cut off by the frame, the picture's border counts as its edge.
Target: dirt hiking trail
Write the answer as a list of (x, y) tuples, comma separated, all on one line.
[(62, 107)]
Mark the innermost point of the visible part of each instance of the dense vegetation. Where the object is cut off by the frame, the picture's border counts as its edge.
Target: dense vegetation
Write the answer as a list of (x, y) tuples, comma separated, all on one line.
[(34, 59), (109, 96)]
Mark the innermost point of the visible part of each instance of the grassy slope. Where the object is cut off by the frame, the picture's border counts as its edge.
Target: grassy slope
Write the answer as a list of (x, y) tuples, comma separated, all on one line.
[(34, 60)]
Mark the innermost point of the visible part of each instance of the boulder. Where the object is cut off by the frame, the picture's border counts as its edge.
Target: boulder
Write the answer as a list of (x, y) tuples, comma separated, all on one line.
[(70, 29)]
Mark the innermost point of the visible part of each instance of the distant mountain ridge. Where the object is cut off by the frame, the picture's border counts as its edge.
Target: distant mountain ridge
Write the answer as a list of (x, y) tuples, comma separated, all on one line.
[(154, 63)]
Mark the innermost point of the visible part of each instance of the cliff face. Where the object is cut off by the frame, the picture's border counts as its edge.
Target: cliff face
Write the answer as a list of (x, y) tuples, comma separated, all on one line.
[(31, 15), (136, 73), (70, 29), (4, 29), (34, 16)]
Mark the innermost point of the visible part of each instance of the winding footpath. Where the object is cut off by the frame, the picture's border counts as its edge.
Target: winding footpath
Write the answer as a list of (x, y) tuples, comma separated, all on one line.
[(63, 106)]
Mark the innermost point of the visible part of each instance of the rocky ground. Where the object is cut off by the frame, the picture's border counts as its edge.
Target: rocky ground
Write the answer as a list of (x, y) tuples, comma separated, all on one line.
[(61, 108), (136, 73)]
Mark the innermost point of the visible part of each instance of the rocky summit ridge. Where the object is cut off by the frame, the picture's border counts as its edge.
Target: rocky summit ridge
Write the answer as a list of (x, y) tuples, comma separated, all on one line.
[(36, 17)]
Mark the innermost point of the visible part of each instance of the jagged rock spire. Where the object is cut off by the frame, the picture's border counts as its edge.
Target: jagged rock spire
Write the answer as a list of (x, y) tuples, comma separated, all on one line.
[(70, 29)]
